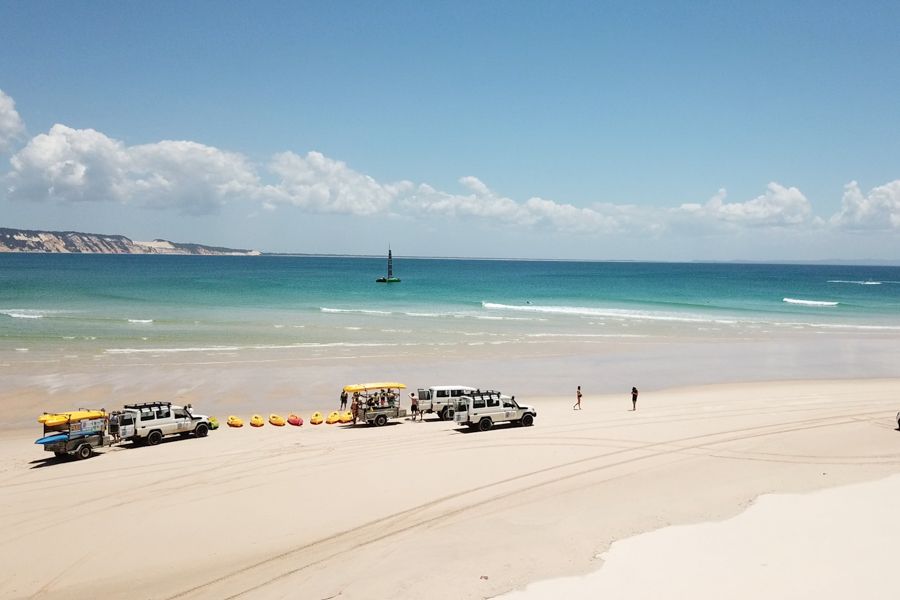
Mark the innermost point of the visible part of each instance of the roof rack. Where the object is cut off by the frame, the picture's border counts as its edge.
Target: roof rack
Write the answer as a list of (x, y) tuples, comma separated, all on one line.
[(148, 405)]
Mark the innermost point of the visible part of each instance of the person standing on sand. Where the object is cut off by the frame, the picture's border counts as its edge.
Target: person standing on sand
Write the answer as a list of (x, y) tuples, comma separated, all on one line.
[(343, 399), (577, 399), (634, 395), (413, 405), (354, 407)]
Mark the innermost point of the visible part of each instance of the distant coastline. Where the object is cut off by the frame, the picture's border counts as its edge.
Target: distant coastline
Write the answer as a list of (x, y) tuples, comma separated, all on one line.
[(76, 242)]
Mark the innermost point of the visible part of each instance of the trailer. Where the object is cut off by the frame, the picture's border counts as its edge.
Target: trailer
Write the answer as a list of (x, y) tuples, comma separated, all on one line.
[(76, 436), (376, 403)]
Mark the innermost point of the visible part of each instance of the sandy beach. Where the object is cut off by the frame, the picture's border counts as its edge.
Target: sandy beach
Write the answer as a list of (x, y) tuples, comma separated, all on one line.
[(417, 510)]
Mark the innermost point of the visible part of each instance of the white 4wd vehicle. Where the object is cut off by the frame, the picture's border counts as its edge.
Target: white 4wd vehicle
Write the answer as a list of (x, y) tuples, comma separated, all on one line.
[(150, 422), (482, 410), (441, 399)]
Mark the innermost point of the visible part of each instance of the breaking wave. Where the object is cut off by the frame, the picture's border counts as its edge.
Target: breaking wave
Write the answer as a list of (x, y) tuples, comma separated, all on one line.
[(809, 302)]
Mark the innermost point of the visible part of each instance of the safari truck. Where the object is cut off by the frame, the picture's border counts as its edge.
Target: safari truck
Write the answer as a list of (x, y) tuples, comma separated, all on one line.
[(376, 403), (149, 422), (441, 399), (482, 410)]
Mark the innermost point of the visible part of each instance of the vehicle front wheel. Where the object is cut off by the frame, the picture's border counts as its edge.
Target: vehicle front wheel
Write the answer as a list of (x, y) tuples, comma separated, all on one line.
[(485, 424), (380, 420), (527, 421), (84, 451), (201, 430), (154, 438)]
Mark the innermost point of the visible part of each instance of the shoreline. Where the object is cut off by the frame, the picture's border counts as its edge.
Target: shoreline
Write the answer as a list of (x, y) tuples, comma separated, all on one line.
[(268, 513)]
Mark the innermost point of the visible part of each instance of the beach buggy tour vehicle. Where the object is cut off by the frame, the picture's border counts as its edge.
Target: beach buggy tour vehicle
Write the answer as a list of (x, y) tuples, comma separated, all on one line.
[(376, 403), (75, 433), (482, 410), (441, 399)]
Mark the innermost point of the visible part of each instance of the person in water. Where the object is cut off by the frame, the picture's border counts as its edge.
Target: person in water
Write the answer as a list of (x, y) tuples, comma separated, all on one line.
[(577, 399), (634, 395)]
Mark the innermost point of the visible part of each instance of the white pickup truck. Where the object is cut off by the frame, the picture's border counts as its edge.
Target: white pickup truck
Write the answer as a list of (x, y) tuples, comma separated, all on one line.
[(149, 422), (482, 410)]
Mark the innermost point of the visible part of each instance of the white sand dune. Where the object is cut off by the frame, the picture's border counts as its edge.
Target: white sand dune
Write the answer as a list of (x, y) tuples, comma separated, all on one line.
[(422, 510)]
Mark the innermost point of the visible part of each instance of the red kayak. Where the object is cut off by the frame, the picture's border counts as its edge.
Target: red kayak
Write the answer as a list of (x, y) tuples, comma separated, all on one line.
[(295, 420)]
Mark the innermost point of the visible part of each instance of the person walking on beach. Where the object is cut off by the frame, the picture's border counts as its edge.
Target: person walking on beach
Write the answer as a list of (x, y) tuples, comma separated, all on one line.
[(577, 399), (343, 399), (634, 395)]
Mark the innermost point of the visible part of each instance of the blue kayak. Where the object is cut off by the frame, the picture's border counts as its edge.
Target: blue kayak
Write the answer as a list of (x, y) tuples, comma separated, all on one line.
[(52, 439)]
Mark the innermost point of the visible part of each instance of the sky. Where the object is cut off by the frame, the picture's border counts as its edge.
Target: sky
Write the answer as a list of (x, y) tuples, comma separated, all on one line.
[(584, 130)]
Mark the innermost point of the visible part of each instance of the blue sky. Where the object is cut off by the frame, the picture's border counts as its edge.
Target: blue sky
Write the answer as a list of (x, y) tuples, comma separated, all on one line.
[(662, 131)]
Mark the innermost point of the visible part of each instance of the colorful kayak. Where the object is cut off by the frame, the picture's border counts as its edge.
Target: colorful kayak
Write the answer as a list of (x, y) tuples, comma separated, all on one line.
[(63, 418), (346, 417), (52, 439), (295, 420), (316, 418), (257, 421), (213, 423), (234, 421), (276, 420), (333, 417)]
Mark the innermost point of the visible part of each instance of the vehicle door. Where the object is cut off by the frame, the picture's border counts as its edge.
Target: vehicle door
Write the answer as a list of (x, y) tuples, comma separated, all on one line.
[(126, 425), (492, 405), (510, 409), (479, 408), (183, 421)]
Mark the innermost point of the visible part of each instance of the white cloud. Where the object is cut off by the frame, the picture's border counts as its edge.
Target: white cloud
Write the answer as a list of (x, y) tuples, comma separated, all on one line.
[(74, 165), (877, 210), (780, 206), (11, 126), (84, 165), (319, 184)]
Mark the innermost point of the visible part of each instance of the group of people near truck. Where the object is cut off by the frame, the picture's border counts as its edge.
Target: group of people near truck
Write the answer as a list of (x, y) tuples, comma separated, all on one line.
[(369, 400)]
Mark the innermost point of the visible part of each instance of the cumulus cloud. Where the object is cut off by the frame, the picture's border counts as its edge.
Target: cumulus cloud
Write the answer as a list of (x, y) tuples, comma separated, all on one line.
[(78, 165), (319, 184), (877, 210), (84, 165), (12, 129), (779, 206)]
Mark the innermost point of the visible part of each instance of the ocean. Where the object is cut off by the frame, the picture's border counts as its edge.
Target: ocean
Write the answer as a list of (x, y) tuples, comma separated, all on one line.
[(125, 304)]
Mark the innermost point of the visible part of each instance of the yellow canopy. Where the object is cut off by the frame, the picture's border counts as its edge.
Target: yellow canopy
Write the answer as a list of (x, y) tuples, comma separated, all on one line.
[(363, 387)]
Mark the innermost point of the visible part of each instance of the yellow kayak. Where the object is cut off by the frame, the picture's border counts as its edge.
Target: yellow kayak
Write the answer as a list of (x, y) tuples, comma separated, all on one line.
[(56, 419), (277, 420), (333, 417), (316, 418), (234, 421), (257, 421), (213, 423), (346, 417)]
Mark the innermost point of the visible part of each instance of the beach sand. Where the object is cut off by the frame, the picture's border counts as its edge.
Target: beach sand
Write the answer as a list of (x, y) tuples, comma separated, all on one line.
[(415, 510)]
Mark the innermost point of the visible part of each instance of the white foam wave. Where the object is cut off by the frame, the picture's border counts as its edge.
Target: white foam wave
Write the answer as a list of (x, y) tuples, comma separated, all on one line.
[(809, 302), (581, 335), (22, 313), (354, 310), (140, 321), (855, 282), (615, 313), (239, 348)]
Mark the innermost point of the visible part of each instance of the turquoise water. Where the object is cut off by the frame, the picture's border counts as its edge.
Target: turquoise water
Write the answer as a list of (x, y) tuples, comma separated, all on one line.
[(123, 304)]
